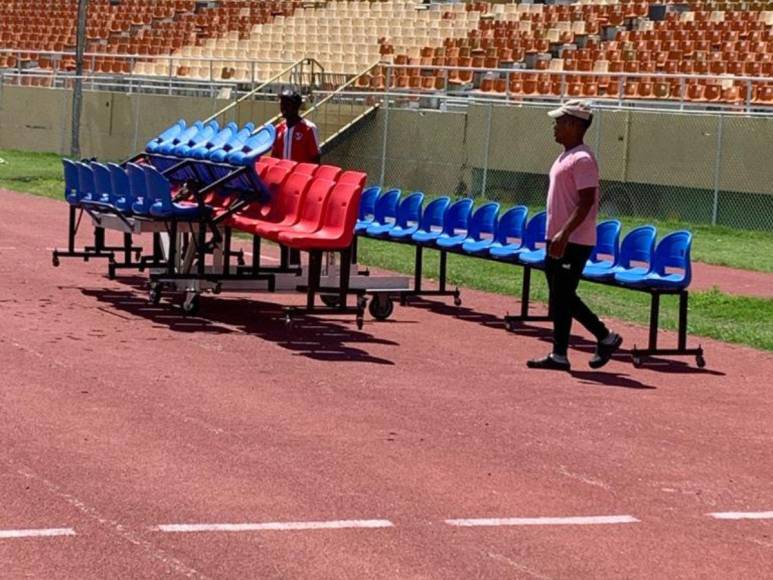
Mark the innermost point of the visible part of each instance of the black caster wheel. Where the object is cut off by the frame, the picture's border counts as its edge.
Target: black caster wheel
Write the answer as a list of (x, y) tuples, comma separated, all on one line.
[(138, 255), (154, 296), (381, 307), (217, 289), (55, 261), (288, 321), (191, 304), (457, 301), (700, 361), (330, 300), (85, 258), (240, 260), (637, 362), (360, 322), (111, 272), (510, 326)]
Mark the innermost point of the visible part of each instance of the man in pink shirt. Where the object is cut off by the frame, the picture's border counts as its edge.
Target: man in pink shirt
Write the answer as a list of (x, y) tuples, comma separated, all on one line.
[(572, 207)]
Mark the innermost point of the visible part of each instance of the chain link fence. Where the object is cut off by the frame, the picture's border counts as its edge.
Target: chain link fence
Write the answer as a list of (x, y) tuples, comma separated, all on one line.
[(710, 167)]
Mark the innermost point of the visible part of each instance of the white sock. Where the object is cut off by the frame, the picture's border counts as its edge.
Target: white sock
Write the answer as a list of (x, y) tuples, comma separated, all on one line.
[(559, 358), (610, 339)]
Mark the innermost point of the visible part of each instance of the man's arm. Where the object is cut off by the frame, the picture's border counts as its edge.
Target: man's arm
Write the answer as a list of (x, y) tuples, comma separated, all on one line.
[(559, 241)]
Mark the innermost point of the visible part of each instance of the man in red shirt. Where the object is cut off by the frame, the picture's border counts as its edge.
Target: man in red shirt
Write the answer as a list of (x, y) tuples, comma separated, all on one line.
[(296, 138)]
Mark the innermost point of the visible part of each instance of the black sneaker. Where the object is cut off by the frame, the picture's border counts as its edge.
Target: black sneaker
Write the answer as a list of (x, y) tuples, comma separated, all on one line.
[(548, 363), (605, 351)]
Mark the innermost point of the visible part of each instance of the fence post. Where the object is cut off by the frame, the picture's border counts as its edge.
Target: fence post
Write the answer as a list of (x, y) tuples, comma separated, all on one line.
[(717, 169), (486, 152), (386, 127), (137, 112), (597, 118)]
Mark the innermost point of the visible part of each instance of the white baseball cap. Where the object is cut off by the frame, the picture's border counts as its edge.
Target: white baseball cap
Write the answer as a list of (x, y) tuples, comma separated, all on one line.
[(575, 108)]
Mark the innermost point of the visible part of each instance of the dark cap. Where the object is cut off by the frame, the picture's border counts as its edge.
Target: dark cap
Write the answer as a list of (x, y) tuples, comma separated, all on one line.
[(292, 96)]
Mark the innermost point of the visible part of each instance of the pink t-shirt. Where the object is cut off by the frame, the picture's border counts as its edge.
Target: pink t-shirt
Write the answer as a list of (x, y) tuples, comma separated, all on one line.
[(574, 170)]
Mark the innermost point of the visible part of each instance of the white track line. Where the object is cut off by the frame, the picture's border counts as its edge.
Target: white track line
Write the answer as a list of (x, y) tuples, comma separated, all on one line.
[(742, 515), (273, 526), (560, 521), (42, 533), (262, 257)]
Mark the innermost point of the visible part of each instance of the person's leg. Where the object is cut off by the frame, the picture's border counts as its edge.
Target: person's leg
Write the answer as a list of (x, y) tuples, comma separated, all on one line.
[(561, 287)]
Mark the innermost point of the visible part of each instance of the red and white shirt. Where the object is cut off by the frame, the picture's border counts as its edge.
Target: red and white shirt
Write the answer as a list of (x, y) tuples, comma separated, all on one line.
[(298, 143)]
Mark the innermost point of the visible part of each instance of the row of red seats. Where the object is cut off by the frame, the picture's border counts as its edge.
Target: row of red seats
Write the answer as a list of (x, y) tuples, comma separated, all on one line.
[(312, 207)]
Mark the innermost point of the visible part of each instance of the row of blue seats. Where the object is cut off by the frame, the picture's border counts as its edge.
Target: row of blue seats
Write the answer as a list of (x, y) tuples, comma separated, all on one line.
[(212, 152), (454, 227), (136, 190)]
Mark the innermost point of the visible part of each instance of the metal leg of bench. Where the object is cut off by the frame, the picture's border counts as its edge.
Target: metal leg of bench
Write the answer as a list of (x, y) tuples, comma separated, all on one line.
[(315, 273), (418, 269), (345, 271), (683, 299), (525, 299), (654, 318), (443, 270)]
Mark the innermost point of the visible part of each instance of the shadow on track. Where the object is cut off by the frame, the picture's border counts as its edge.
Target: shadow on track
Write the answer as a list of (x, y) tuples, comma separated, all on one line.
[(311, 337)]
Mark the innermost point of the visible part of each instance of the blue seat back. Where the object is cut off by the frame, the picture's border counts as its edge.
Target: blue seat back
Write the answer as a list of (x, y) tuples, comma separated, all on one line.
[(673, 251), (484, 220), (172, 131), (71, 179), (368, 202), (535, 231), (607, 241), (138, 187), (638, 246), (102, 182), (85, 179), (120, 180), (433, 214), (386, 206), (511, 224), (457, 216), (409, 210), (158, 188)]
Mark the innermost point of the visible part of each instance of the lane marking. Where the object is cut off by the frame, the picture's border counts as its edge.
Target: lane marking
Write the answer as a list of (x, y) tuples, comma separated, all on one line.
[(40, 533), (273, 526), (742, 515), (549, 521)]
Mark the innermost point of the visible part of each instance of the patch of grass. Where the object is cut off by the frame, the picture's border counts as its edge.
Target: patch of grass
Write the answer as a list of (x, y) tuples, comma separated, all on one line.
[(736, 319), (38, 173)]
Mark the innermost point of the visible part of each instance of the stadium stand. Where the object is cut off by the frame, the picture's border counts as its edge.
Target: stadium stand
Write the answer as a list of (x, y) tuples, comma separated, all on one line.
[(584, 49)]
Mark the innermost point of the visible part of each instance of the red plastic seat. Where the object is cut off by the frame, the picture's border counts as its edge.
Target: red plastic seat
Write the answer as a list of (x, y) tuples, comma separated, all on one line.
[(274, 179), (330, 172), (311, 213), (306, 168), (287, 164), (353, 178), (339, 218), (287, 209)]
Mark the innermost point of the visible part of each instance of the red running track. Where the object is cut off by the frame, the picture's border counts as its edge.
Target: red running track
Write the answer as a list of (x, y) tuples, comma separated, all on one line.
[(116, 417)]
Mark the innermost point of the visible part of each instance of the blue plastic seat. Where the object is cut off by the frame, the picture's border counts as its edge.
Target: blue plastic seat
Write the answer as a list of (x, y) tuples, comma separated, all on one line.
[(159, 188), (72, 190), (385, 212), (122, 195), (257, 145), (218, 141), (510, 227), (533, 235), (166, 135), (86, 183), (431, 217), (456, 217), (483, 220), (637, 246), (166, 146), (483, 227), (201, 138), (139, 189), (607, 244), (367, 208), (407, 217), (103, 188), (673, 251)]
